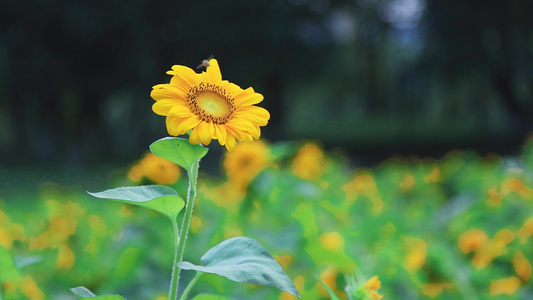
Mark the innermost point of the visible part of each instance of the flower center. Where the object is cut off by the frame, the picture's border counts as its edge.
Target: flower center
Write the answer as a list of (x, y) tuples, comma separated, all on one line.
[(210, 103)]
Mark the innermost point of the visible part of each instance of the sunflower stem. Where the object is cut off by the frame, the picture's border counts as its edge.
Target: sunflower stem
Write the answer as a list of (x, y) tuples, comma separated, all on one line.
[(185, 226), (191, 284)]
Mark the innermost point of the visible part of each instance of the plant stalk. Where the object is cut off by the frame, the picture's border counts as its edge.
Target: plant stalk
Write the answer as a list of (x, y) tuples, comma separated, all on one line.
[(191, 284), (185, 226)]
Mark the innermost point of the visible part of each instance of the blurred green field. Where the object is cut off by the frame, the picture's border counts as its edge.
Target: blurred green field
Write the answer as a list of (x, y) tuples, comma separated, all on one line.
[(455, 228)]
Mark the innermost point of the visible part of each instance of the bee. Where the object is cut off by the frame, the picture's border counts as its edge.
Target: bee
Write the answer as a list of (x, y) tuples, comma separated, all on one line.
[(205, 62)]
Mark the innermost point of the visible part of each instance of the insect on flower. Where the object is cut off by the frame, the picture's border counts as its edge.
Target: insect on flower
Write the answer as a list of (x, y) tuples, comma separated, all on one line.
[(205, 62)]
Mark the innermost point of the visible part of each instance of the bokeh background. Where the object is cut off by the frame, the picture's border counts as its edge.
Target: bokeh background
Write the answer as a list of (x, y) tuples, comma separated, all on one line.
[(372, 77), (357, 169)]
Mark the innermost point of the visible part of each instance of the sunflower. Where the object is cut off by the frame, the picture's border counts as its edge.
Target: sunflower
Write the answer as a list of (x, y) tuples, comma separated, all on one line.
[(209, 106)]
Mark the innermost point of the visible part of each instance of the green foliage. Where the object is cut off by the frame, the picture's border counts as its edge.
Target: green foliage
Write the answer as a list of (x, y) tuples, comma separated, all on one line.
[(84, 293), (243, 259), (209, 297), (404, 220), (178, 151), (160, 198)]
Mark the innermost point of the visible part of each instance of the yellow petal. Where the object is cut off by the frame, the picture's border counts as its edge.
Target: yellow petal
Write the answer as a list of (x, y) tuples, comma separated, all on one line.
[(245, 126), (183, 76), (168, 91), (204, 133), (248, 97), (255, 115), (239, 134), (179, 109), (163, 106), (230, 142), (221, 134), (193, 138), (213, 72), (232, 88), (256, 110), (178, 126)]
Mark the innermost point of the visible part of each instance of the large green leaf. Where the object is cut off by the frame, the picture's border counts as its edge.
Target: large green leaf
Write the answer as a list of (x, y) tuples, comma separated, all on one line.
[(243, 259), (157, 197), (84, 293), (178, 151)]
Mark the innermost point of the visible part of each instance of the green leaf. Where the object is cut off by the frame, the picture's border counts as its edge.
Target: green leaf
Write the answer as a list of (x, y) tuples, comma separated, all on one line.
[(209, 297), (178, 151), (9, 270), (160, 198), (330, 292), (84, 293), (243, 259)]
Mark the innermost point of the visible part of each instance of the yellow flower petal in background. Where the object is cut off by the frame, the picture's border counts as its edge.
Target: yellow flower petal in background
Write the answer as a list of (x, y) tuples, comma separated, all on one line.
[(332, 241), (433, 290), (506, 286), (526, 230), (472, 240), (65, 257), (245, 162), (309, 162), (373, 284), (522, 266), (10, 232), (407, 183), (415, 253), (204, 101), (156, 169), (495, 198), (30, 289), (514, 185), (433, 176)]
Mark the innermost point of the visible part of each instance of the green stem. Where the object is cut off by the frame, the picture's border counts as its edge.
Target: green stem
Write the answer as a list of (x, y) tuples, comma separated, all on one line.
[(185, 226), (175, 271), (191, 284)]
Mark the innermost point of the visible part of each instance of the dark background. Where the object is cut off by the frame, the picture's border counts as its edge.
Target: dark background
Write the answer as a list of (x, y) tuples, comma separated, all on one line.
[(372, 77)]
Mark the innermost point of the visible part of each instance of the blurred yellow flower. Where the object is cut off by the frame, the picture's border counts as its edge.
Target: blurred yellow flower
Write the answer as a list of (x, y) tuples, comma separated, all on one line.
[(283, 260), (332, 241), (358, 288), (213, 108), (522, 266), (432, 290), (415, 253), (514, 185), (65, 257), (156, 169), (372, 285), (472, 240), (495, 198), (526, 231), (364, 185), (506, 286), (63, 221), (9, 232), (485, 249), (26, 285), (433, 176), (245, 162), (309, 162), (407, 183), (196, 223)]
